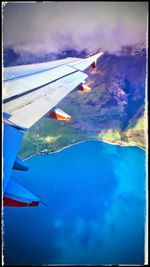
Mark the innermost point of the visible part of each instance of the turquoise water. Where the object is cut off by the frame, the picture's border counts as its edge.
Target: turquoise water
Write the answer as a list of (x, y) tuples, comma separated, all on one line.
[(95, 214)]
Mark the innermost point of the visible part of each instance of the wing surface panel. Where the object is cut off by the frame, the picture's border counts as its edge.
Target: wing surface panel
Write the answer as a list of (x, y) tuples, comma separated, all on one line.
[(28, 109), (11, 73), (24, 85)]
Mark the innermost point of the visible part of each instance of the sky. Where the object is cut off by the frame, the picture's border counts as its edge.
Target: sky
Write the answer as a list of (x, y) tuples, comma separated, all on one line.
[(40, 27)]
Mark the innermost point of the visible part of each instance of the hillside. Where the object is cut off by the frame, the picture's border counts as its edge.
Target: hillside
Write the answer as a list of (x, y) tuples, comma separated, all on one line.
[(112, 112)]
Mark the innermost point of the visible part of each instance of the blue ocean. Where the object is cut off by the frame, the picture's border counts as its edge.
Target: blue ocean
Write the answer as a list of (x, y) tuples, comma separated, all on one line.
[(95, 213)]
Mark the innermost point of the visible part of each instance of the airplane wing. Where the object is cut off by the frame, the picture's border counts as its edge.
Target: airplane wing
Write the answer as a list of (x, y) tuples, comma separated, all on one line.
[(29, 92)]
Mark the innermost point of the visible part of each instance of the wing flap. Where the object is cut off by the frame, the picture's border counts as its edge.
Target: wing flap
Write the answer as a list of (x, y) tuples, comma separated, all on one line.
[(11, 73), (26, 84), (30, 108)]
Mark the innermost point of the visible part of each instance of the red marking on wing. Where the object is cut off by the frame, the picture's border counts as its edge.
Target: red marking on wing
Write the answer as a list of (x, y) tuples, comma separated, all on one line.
[(9, 202)]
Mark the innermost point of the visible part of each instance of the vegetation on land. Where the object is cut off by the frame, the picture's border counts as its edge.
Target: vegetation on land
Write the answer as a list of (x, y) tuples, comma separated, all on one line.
[(112, 112)]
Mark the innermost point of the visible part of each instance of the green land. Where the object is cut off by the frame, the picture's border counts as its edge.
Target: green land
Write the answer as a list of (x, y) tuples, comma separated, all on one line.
[(132, 136), (116, 100), (49, 135)]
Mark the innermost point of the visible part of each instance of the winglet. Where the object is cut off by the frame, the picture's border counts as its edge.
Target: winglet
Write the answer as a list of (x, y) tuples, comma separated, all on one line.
[(16, 195)]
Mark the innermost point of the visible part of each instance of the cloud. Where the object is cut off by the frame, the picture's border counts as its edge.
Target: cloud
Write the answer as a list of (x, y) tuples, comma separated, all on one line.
[(54, 26)]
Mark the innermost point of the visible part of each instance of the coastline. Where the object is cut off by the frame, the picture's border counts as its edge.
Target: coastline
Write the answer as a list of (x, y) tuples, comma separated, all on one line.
[(122, 145), (65, 147), (59, 150)]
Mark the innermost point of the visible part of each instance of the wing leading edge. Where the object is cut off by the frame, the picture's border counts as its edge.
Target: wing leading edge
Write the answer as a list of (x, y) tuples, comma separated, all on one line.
[(31, 91)]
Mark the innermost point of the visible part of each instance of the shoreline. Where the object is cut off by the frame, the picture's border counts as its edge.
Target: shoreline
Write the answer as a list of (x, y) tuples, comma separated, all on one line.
[(115, 144), (59, 150), (65, 147)]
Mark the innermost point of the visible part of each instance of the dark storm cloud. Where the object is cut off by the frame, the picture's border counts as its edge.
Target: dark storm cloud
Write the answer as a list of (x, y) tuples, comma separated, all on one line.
[(53, 26)]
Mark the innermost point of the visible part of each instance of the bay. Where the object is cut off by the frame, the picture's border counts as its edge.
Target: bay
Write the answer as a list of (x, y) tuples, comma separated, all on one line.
[(95, 213)]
